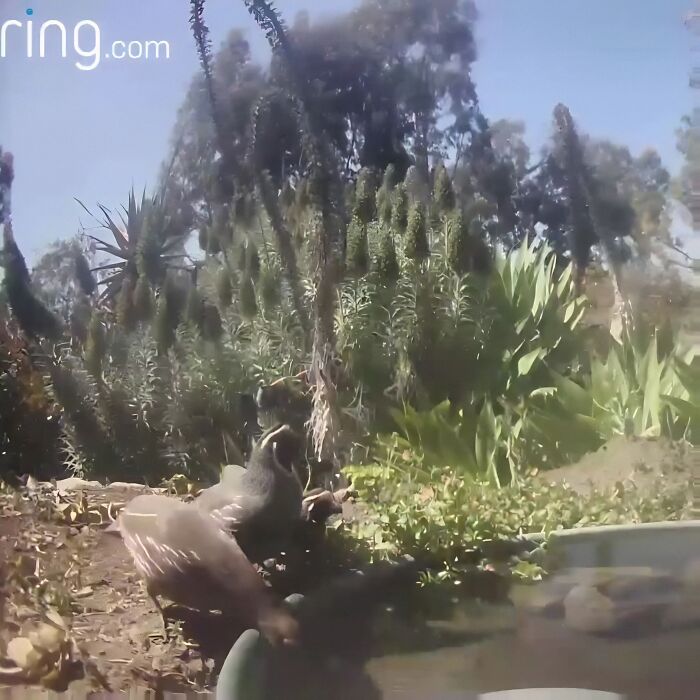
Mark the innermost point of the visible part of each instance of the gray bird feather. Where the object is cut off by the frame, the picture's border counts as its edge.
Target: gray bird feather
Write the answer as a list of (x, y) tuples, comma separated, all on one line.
[(184, 556), (265, 498)]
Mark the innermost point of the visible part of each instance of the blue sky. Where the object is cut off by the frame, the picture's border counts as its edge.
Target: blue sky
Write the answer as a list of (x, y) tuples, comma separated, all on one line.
[(621, 65)]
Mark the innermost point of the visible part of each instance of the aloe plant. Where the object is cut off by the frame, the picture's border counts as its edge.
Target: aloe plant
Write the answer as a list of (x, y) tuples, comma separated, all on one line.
[(146, 242)]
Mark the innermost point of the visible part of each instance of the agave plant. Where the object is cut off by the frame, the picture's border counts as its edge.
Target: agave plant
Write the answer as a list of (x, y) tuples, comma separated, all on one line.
[(646, 386), (471, 443), (147, 241), (534, 318)]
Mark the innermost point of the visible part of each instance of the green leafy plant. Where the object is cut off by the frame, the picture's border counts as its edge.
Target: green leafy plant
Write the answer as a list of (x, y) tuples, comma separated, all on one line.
[(408, 508), (642, 388), (470, 443)]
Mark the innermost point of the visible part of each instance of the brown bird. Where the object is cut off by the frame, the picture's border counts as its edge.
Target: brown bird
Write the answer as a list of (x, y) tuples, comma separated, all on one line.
[(183, 555), (263, 502)]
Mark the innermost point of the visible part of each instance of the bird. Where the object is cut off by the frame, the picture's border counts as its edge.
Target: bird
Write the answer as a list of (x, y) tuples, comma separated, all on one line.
[(183, 555), (261, 503)]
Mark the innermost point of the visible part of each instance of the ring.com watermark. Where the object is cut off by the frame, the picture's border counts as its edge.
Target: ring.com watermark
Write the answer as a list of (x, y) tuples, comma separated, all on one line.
[(82, 42)]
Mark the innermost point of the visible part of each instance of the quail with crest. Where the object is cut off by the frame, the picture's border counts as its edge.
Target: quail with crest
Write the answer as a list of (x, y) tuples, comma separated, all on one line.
[(184, 556), (263, 502)]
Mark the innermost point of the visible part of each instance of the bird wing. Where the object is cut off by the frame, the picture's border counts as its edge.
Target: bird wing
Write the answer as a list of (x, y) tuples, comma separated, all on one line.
[(218, 559), (236, 509), (147, 526)]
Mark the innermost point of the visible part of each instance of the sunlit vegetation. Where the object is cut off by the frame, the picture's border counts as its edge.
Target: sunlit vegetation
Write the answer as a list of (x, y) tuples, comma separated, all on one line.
[(363, 225)]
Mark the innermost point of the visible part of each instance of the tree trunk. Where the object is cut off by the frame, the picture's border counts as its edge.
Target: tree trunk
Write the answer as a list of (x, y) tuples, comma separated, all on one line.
[(325, 423), (620, 314)]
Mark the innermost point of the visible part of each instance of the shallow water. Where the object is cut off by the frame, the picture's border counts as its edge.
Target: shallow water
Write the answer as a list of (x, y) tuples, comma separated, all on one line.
[(631, 630), (644, 647), (620, 613), (541, 653)]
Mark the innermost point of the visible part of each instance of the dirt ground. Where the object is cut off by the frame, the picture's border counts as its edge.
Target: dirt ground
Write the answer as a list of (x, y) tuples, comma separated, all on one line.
[(86, 575), (627, 459)]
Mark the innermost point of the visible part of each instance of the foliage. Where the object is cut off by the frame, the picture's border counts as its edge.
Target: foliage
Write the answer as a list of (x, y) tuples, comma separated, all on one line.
[(25, 411), (63, 275), (460, 244), (438, 336), (148, 241), (688, 144), (32, 315), (409, 508), (478, 444), (357, 249), (646, 387), (443, 190), (416, 245), (399, 213), (639, 389)]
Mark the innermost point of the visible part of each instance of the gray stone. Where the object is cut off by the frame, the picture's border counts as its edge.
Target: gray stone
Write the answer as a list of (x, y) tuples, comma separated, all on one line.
[(586, 609)]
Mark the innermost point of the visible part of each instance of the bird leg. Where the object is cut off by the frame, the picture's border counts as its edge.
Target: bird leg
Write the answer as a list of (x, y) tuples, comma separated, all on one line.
[(154, 597)]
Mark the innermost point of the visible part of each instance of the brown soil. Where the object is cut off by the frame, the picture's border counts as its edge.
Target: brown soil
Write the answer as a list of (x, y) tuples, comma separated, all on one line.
[(626, 460), (87, 575)]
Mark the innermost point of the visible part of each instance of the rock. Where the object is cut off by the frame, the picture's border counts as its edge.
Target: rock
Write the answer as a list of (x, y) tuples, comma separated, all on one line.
[(587, 610), (22, 653), (538, 600), (141, 488), (690, 578), (685, 610), (47, 638), (73, 483)]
